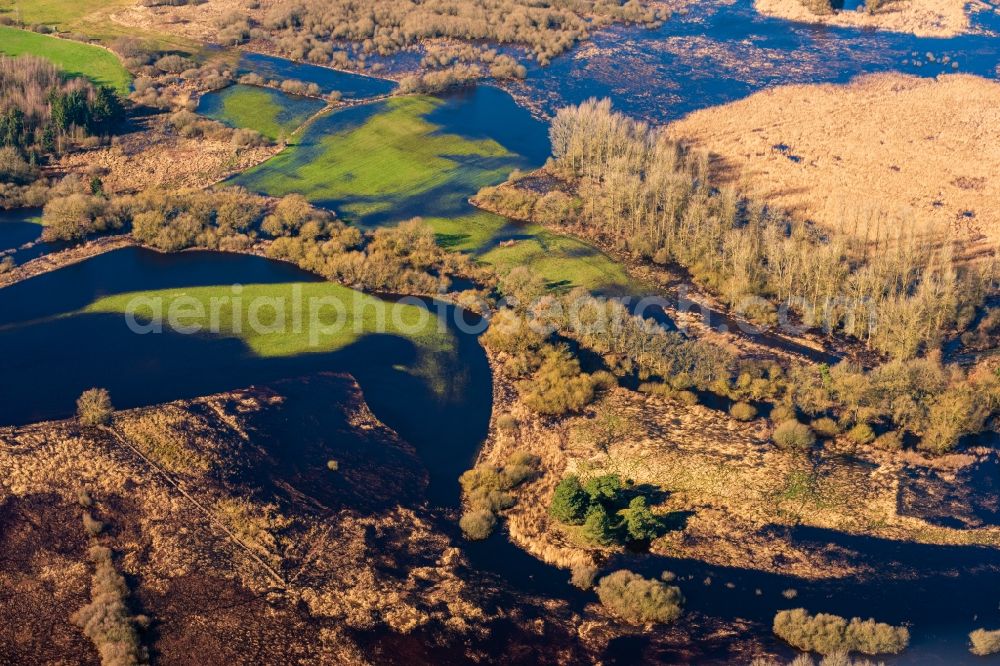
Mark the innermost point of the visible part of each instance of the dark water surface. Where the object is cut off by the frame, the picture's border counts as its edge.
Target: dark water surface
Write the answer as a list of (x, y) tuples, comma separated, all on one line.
[(20, 235), (350, 85), (57, 357), (722, 51)]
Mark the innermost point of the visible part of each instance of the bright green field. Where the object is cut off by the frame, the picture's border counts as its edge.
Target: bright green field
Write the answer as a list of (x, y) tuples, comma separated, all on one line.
[(387, 162), (95, 63), (270, 112), (332, 316)]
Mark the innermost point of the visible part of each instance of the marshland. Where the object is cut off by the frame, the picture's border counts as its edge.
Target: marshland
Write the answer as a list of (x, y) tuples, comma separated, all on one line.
[(499, 331)]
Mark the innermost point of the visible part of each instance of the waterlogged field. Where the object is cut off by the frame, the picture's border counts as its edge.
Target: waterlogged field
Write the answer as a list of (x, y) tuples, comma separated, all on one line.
[(97, 64), (276, 320), (270, 112), (387, 162), (194, 323)]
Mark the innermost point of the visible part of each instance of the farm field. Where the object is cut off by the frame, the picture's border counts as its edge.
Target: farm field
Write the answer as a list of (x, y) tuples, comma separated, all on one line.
[(75, 58)]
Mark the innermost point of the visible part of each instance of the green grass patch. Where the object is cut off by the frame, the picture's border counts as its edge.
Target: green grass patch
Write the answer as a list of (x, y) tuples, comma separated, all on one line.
[(75, 58), (270, 112), (384, 162), (563, 262), (387, 162), (330, 316)]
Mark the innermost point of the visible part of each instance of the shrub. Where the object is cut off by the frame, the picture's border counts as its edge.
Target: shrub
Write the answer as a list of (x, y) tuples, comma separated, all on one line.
[(827, 634), (636, 599), (984, 642), (583, 575), (640, 522), (520, 467), (743, 411), (76, 216), (506, 422), (558, 386), (91, 525), (94, 407), (597, 526), (862, 433), (890, 441), (825, 427), (686, 397), (871, 637), (478, 524), (485, 488), (819, 7), (793, 436), (781, 413), (106, 620), (569, 502)]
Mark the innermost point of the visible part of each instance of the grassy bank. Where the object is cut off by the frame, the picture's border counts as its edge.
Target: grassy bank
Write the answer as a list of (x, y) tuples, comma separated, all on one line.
[(99, 65), (270, 112)]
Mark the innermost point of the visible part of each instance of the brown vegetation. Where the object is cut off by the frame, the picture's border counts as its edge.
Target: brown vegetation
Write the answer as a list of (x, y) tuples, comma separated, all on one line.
[(984, 642), (727, 477), (160, 155), (827, 634), (840, 156), (345, 34), (637, 189), (363, 555), (636, 599), (925, 18)]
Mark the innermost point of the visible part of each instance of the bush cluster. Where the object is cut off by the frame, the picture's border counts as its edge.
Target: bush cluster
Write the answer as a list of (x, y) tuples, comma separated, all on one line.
[(826, 634), (106, 620), (605, 510), (639, 600), (984, 642), (94, 407), (486, 491)]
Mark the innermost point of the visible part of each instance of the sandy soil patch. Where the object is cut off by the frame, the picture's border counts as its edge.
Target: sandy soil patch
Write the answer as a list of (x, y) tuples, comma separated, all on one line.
[(154, 156), (896, 147), (924, 18)]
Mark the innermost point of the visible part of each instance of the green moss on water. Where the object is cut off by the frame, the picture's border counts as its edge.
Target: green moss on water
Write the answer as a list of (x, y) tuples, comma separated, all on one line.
[(270, 112), (75, 58)]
